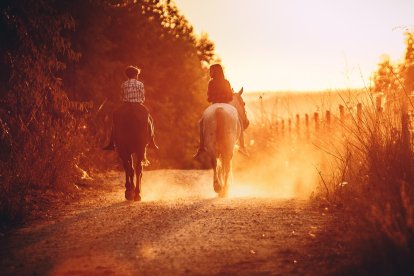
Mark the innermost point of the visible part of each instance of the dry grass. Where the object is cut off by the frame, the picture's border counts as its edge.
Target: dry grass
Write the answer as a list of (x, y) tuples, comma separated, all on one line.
[(51, 151), (362, 167), (375, 189)]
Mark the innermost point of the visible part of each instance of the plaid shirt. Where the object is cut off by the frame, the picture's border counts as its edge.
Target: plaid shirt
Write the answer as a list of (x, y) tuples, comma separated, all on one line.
[(133, 91)]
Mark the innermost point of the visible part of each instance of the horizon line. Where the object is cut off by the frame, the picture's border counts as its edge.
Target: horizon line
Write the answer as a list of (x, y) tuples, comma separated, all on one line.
[(306, 91)]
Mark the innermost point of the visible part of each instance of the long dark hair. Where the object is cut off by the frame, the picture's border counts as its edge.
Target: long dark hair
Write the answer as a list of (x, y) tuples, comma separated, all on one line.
[(216, 71)]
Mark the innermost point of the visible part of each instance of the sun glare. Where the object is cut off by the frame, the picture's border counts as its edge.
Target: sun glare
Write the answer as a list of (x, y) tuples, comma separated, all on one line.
[(301, 45)]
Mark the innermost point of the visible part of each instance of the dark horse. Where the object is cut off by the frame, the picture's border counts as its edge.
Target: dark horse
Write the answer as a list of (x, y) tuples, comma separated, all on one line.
[(131, 138)]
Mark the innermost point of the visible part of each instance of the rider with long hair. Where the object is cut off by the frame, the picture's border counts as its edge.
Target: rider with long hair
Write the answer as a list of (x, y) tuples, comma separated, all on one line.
[(219, 91)]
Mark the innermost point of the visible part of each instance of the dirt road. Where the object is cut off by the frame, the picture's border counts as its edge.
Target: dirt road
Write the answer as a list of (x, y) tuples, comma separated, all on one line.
[(179, 228)]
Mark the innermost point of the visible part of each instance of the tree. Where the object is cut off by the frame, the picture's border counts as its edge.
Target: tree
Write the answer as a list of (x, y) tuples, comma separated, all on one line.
[(32, 123), (155, 37)]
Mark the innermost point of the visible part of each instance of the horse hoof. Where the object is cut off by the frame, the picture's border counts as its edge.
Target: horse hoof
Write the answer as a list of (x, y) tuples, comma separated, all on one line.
[(137, 198), (223, 191), (223, 194), (129, 196), (217, 187)]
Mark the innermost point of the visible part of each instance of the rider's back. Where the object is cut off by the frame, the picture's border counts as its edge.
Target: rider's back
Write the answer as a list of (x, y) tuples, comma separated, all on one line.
[(219, 91)]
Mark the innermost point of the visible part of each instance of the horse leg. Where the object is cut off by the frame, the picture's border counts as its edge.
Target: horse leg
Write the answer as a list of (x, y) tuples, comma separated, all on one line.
[(216, 182), (138, 171), (131, 174), (226, 171), (129, 181)]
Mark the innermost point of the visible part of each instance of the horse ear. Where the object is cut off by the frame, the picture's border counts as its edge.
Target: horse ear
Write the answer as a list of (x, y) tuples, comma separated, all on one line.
[(241, 91)]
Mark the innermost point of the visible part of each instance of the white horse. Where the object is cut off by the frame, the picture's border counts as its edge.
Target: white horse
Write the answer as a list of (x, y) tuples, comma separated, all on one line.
[(222, 124)]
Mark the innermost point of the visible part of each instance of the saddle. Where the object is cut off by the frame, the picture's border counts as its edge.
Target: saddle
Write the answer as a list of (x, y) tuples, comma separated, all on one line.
[(135, 111), (131, 119)]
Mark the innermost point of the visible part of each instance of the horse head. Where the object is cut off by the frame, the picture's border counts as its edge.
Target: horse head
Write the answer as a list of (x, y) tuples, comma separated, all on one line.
[(239, 104)]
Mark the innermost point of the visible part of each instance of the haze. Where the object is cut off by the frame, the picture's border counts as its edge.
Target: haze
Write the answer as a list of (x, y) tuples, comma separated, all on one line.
[(301, 45)]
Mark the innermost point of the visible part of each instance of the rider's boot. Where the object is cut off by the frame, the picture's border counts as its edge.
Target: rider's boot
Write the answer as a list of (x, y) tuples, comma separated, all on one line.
[(145, 162), (200, 149), (242, 147)]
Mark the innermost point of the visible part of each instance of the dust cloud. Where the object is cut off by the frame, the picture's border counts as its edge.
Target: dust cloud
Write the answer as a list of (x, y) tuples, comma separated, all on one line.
[(177, 184), (283, 172)]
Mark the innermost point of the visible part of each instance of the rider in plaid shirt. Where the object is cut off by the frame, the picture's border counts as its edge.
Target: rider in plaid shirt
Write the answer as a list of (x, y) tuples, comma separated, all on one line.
[(133, 92)]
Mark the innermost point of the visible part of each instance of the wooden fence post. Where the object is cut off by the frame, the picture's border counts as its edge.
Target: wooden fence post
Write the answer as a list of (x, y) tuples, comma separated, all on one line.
[(316, 119), (328, 118), (297, 123), (307, 120), (307, 126), (342, 113), (290, 125)]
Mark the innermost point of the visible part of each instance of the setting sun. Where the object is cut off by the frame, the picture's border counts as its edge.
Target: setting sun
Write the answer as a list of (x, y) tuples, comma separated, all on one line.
[(300, 45)]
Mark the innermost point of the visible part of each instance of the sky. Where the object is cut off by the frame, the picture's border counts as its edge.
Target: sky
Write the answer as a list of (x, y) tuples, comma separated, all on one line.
[(301, 45)]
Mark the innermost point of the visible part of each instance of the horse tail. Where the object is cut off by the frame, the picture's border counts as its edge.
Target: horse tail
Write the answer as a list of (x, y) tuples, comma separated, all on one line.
[(220, 115)]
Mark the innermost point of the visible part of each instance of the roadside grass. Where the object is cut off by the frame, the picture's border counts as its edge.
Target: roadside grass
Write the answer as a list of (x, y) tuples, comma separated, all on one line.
[(361, 171)]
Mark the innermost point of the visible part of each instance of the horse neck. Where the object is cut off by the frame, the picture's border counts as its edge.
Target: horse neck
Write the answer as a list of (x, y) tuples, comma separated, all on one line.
[(236, 105), (233, 102)]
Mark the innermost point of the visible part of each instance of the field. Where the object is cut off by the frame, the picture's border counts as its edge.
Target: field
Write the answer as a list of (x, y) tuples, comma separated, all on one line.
[(284, 105)]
